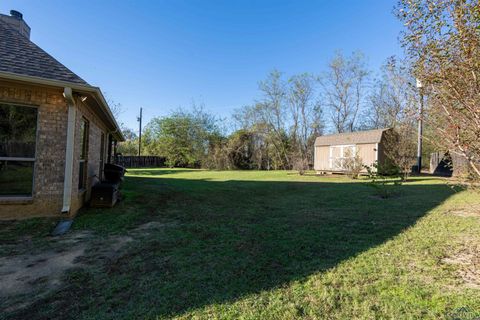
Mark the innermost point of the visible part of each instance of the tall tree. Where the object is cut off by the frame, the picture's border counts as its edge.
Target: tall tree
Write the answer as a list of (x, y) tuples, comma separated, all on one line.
[(282, 126), (129, 147), (442, 40), (184, 138), (247, 120), (272, 112), (344, 89), (400, 147), (305, 116), (392, 98)]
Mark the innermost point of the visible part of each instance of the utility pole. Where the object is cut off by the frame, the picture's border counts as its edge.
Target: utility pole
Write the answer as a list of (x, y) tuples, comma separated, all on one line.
[(420, 127), (139, 119)]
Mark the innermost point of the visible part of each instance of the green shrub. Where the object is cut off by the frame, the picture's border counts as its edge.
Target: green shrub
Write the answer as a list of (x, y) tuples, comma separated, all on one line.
[(383, 178)]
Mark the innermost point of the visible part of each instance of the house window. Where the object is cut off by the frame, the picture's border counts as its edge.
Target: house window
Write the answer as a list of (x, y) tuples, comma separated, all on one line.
[(18, 136), (102, 156), (83, 165)]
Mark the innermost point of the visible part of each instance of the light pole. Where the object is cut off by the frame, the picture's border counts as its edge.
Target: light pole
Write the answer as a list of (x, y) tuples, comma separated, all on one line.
[(420, 127)]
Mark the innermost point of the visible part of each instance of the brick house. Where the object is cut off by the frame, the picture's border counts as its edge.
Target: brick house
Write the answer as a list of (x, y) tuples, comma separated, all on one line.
[(56, 131)]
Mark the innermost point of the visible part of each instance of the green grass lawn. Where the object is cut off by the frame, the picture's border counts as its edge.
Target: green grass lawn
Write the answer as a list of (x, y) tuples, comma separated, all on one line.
[(273, 245)]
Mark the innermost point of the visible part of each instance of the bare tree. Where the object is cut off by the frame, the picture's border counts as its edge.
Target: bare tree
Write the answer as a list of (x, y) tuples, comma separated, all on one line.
[(284, 124), (344, 88), (352, 163), (392, 98), (443, 43), (116, 108), (306, 118), (271, 110)]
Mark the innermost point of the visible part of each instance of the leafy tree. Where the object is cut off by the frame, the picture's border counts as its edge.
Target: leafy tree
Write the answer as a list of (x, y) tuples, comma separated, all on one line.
[(171, 137), (400, 148), (183, 138), (240, 149), (129, 147), (442, 40), (249, 120)]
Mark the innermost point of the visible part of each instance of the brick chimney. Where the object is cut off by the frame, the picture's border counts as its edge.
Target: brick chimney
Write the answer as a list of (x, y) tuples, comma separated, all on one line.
[(15, 20)]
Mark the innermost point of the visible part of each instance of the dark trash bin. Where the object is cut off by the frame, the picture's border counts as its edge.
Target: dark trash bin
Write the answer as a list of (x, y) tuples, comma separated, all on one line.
[(113, 173), (104, 195), (107, 192)]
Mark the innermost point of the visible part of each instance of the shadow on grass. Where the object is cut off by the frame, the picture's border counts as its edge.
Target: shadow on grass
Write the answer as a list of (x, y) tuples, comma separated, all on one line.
[(230, 239)]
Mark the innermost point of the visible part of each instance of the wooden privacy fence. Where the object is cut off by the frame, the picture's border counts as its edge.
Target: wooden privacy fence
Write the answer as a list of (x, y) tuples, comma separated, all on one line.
[(448, 164), (140, 161)]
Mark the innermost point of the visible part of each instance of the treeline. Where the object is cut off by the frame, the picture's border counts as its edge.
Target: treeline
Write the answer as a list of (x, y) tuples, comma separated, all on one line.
[(279, 130), (442, 46)]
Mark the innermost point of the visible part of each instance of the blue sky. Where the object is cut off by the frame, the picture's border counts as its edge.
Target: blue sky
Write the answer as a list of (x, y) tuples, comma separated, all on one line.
[(161, 55)]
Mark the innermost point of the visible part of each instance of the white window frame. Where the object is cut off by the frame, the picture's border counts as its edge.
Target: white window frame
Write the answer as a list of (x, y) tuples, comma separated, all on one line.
[(23, 159), (85, 160), (103, 153), (342, 154)]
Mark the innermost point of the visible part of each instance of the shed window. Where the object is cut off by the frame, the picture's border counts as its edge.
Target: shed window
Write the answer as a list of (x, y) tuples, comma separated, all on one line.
[(338, 154), (83, 164), (18, 136)]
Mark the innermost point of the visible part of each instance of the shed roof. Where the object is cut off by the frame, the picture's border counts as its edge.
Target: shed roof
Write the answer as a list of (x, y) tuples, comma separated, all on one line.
[(369, 136), (19, 55)]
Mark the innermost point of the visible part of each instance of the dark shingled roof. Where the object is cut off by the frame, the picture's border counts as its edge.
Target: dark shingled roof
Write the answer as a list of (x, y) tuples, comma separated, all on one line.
[(370, 136), (21, 56)]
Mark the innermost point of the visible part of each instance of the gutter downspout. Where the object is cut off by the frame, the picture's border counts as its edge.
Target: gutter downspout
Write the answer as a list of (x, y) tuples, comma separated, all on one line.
[(67, 183)]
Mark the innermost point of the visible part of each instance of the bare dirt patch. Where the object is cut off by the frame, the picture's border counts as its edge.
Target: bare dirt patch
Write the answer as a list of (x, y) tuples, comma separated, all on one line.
[(466, 211), (42, 270), (467, 263), (30, 271), (119, 242), (35, 275), (153, 225), (24, 273)]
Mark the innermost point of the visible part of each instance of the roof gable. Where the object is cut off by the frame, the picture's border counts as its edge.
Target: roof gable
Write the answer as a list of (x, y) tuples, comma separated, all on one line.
[(359, 137), (19, 55)]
